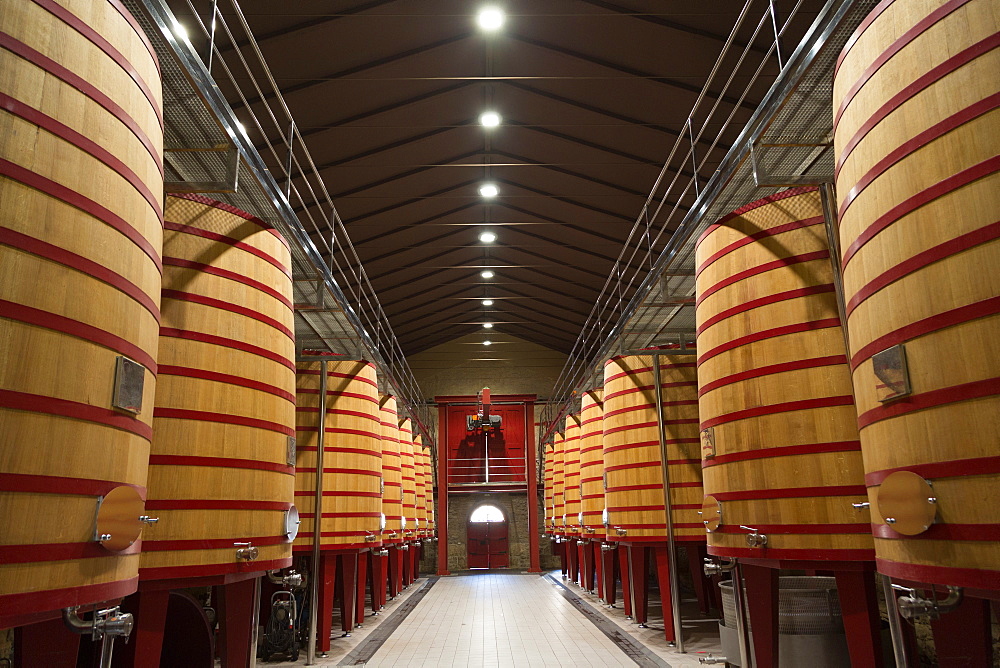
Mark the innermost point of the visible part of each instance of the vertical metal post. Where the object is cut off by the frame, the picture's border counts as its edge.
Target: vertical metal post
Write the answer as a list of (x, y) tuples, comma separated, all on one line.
[(314, 582), (777, 38), (895, 627), (675, 586), (255, 622), (486, 454), (211, 39), (742, 627)]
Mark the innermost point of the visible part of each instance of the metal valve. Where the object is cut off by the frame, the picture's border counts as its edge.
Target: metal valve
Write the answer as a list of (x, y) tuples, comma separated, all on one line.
[(103, 538), (108, 622), (370, 537), (755, 538), (717, 568), (621, 532), (861, 506), (246, 551), (608, 548), (912, 605), (146, 519)]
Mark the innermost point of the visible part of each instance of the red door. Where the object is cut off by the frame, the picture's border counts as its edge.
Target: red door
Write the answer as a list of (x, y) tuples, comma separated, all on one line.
[(487, 545), (497, 539), (479, 544)]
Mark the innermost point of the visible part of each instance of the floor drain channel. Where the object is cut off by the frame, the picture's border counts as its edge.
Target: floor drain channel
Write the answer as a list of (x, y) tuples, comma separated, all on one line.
[(364, 652)]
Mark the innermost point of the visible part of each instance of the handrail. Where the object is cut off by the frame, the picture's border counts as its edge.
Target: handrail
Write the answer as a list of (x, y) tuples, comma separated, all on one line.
[(291, 182), (672, 235)]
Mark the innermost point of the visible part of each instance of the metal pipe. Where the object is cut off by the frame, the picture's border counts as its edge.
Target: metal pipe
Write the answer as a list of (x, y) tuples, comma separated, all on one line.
[(211, 38), (253, 624), (895, 626), (317, 522), (742, 628), (675, 586)]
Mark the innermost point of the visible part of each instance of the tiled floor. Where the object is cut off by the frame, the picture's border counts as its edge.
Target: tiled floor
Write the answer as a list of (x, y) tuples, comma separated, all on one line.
[(497, 619), (504, 618)]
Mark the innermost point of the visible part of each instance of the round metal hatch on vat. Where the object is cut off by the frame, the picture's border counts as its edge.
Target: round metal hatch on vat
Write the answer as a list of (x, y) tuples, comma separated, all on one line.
[(711, 513), (606, 517), (382, 521), (292, 522), (119, 521), (907, 503)]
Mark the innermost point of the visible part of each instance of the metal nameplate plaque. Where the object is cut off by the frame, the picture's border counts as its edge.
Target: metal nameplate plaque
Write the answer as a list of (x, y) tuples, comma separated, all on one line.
[(893, 379), (130, 377), (290, 454)]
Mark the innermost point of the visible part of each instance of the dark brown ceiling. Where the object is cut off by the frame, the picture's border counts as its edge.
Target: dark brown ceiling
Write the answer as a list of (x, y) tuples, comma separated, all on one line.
[(387, 94)]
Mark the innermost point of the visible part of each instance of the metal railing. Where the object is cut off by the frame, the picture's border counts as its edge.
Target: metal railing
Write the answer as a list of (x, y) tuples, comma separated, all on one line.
[(257, 160), (648, 297), (487, 470)]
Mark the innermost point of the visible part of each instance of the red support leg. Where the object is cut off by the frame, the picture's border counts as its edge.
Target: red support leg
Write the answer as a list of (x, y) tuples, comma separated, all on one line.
[(324, 612), (624, 570), (662, 556), (236, 604), (359, 596), (563, 560), (349, 585), (393, 571), (146, 642), (48, 644), (762, 602), (962, 637), (609, 570), (696, 558), (595, 556), (380, 581), (583, 552), (638, 568), (862, 622), (574, 561)]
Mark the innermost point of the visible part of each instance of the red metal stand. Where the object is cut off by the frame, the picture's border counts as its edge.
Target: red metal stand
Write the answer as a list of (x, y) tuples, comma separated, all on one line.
[(146, 642), (623, 566), (395, 571), (563, 558), (597, 560), (348, 573), (609, 575), (236, 601), (638, 568), (47, 643), (862, 622), (572, 560), (761, 585), (359, 596), (662, 556), (586, 560), (380, 580), (963, 637), (327, 571), (534, 549)]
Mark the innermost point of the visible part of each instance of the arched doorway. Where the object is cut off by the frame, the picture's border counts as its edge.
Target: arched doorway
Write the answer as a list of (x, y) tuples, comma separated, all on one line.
[(487, 538)]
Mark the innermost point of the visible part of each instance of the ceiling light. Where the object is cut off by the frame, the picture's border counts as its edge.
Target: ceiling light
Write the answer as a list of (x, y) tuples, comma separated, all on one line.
[(487, 343), (488, 325), (487, 237), (487, 274), (490, 18), (488, 190), (489, 119), (487, 302)]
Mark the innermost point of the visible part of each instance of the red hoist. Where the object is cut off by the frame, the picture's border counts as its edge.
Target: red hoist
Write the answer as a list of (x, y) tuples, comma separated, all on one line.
[(484, 423)]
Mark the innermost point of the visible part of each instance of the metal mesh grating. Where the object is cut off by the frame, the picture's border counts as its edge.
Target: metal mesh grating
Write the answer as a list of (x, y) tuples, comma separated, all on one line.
[(806, 605)]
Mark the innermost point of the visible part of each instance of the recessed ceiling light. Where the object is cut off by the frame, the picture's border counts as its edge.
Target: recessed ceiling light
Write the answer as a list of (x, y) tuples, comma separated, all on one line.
[(487, 274), (487, 302), (488, 190), (487, 343), (489, 119), (490, 18), (488, 325), (487, 237)]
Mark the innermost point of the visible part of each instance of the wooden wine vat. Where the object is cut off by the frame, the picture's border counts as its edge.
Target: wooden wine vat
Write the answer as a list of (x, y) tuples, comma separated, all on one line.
[(421, 467), (632, 463), (429, 481), (352, 454), (592, 464), (548, 484), (392, 476), (408, 478), (558, 485), (222, 464), (81, 188), (571, 475), (917, 138), (780, 444)]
